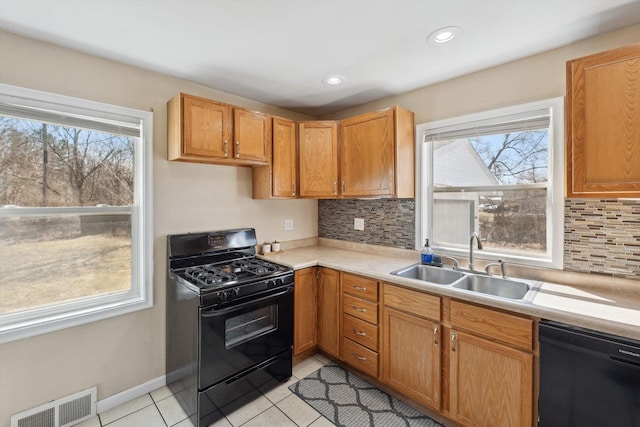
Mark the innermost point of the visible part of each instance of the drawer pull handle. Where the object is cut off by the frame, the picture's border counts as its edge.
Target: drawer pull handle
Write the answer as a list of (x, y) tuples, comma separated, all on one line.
[(237, 148), (361, 310), (435, 335), (357, 356), (359, 288), (362, 334)]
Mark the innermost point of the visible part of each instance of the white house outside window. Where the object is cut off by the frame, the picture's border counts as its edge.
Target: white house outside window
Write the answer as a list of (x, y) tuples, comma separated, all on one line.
[(499, 174), (75, 200)]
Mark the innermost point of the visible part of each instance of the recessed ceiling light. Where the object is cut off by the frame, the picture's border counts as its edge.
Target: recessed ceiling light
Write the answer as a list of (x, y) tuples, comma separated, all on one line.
[(333, 80), (443, 35)]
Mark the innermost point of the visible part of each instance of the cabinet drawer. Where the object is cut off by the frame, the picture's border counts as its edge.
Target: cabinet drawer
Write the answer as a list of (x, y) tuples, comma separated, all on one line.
[(361, 309), (413, 302), (360, 331), (360, 287), (508, 328), (360, 357)]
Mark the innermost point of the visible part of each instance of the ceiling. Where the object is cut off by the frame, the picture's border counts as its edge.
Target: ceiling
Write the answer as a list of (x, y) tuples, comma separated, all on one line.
[(279, 51)]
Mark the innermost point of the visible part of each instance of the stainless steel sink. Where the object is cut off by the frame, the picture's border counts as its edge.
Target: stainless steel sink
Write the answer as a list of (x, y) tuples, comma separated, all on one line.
[(437, 275), (504, 288)]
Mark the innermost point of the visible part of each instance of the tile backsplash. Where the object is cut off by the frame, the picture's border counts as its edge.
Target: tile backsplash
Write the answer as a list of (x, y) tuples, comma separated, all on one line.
[(387, 222), (602, 236)]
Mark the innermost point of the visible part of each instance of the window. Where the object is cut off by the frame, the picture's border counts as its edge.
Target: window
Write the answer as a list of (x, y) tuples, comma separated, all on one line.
[(75, 221), (498, 174)]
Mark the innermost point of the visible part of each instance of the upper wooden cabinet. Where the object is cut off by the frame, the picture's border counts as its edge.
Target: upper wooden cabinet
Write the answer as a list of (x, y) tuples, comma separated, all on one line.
[(206, 131), (252, 135), (377, 155), (318, 159), (278, 180), (603, 124)]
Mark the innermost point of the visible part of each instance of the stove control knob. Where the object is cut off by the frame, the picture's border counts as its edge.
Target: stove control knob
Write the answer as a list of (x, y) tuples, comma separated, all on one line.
[(278, 282), (235, 292), (222, 296)]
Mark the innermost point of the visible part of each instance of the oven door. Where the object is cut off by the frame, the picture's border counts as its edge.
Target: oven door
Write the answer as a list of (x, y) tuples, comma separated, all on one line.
[(240, 334)]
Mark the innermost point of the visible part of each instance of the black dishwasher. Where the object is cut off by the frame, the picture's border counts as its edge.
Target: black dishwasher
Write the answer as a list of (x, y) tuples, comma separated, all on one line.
[(587, 378)]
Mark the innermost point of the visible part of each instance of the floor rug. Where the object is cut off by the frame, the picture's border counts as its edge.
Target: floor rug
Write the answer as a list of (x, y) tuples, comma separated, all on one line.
[(347, 400)]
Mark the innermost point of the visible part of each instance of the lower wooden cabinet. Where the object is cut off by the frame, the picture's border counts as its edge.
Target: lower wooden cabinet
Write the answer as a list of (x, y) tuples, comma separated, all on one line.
[(491, 357), (360, 323), (490, 384), (305, 324), (360, 357), (411, 356), (329, 311)]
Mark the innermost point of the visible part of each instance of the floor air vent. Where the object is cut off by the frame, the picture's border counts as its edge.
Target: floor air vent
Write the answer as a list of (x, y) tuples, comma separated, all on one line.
[(62, 412)]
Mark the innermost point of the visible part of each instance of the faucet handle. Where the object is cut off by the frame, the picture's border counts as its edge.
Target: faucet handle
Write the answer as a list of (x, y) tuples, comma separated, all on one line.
[(453, 261), (503, 268)]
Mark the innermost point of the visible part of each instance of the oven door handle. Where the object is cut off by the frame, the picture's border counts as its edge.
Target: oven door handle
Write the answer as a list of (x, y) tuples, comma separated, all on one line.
[(212, 312)]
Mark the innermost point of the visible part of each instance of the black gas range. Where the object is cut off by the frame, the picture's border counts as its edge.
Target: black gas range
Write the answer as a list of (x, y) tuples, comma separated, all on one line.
[(229, 322)]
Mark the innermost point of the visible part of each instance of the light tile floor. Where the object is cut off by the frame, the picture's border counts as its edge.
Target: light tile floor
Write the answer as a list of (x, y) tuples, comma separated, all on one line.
[(276, 407)]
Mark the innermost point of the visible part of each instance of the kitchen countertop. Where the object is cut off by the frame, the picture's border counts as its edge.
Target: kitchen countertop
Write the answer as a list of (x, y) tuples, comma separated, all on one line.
[(598, 308)]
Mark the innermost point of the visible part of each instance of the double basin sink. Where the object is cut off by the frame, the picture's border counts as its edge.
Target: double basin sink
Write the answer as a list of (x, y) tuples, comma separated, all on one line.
[(489, 285)]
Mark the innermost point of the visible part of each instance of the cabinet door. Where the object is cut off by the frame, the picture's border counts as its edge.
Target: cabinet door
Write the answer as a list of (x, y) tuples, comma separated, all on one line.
[(491, 384), (252, 135), (207, 128), (284, 158), (367, 155), (318, 157), (329, 311), (603, 124), (411, 356), (305, 295)]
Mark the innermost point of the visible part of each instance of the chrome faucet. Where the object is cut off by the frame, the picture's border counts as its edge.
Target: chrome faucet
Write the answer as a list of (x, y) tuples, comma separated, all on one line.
[(503, 268), (473, 236)]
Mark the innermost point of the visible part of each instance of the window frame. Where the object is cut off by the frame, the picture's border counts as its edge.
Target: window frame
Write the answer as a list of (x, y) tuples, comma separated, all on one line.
[(66, 314), (555, 187)]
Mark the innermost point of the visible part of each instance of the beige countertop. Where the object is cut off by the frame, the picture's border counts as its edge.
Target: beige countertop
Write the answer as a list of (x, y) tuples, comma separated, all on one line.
[(603, 309)]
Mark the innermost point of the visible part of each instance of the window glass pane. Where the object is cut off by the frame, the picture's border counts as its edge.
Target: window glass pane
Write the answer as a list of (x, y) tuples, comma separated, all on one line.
[(47, 260), (510, 158), (514, 221), (510, 222), (45, 165)]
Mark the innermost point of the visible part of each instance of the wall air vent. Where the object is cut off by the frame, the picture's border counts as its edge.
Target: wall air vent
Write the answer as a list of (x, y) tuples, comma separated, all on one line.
[(62, 412)]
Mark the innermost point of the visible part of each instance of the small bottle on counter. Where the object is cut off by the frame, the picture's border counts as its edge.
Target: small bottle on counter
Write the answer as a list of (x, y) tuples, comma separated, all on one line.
[(427, 253)]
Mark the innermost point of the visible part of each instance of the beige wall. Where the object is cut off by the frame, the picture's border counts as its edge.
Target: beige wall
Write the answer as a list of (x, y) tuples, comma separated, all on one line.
[(120, 353), (530, 79)]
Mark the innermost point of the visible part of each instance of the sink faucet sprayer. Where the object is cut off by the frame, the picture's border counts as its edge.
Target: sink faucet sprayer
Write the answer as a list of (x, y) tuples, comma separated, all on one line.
[(473, 236)]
